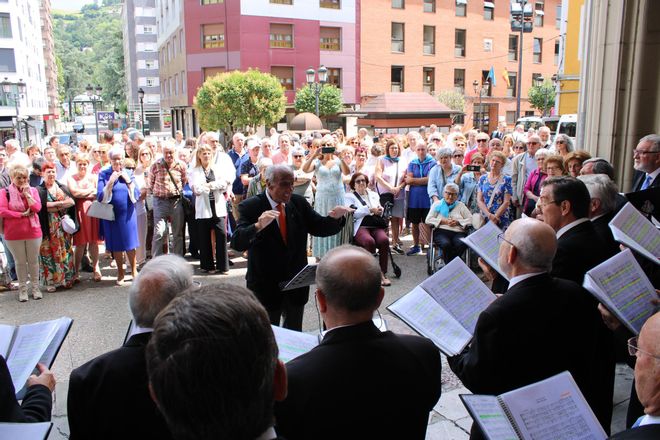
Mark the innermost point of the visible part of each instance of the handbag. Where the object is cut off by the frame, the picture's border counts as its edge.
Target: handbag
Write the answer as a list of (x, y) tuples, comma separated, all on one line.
[(371, 220), (68, 224), (478, 220), (103, 211), (188, 208)]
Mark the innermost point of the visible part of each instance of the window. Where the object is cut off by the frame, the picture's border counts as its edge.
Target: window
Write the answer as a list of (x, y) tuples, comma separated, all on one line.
[(538, 50), (558, 17), (5, 26), (529, 112), (330, 38), (212, 2), (429, 5), (539, 13), (334, 76), (510, 117), (397, 78), (486, 91), (181, 45), (461, 8), (535, 78), (398, 31), (429, 79), (488, 44), (150, 64), (330, 4), (513, 47), (556, 60), (489, 10), (212, 71), (151, 82), (429, 40), (459, 80), (511, 87), (398, 4), (282, 2), (285, 75), (459, 43), (176, 83), (213, 35), (174, 45), (147, 29), (281, 35), (183, 82)]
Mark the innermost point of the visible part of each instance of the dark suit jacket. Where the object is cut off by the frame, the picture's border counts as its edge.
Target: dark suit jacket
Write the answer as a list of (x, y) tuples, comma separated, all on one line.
[(646, 432), (530, 334), (361, 383), (270, 260), (602, 228), (36, 405), (109, 396), (638, 181)]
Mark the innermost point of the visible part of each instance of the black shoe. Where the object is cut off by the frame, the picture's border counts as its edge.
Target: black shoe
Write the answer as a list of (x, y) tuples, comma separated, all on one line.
[(397, 249), (231, 263), (87, 267)]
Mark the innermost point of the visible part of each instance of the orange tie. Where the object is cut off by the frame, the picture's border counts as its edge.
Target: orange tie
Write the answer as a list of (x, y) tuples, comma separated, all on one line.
[(282, 220)]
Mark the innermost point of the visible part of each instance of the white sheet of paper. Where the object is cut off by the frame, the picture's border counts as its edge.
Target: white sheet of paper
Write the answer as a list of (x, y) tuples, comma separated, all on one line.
[(490, 416), (484, 242), (553, 409), (634, 230), (25, 431), (29, 345), (6, 333), (623, 287), (421, 312), (292, 344)]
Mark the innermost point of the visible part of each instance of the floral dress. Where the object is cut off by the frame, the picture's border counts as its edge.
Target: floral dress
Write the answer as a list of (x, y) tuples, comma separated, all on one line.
[(56, 253), (489, 190)]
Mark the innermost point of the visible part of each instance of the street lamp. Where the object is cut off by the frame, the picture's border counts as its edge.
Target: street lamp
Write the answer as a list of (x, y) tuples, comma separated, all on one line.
[(521, 21), (94, 98), (141, 97), (317, 86), (8, 88), (479, 89)]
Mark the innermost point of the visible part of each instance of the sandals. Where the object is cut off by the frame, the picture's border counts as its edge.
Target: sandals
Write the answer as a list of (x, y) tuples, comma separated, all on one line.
[(385, 282), (51, 289), (97, 276)]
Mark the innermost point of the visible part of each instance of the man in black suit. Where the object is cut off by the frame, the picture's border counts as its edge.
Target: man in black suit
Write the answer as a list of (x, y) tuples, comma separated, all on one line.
[(538, 328), (276, 242), (109, 395), (213, 367), (603, 207), (647, 381), (647, 163), (359, 382), (564, 203)]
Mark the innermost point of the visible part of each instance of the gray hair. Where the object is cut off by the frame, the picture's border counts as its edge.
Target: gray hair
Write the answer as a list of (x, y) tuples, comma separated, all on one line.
[(444, 152), (159, 281), (567, 140), (273, 173), (654, 139), (541, 152), (116, 151), (452, 186), (601, 166), (601, 187)]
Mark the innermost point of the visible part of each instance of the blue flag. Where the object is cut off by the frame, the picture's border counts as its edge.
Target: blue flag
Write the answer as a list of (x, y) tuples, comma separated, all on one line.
[(491, 76)]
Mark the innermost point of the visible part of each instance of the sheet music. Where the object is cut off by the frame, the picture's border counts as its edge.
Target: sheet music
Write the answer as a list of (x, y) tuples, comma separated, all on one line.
[(306, 277), (553, 409), (292, 344), (29, 345), (25, 431), (421, 312), (484, 242), (622, 286), (631, 228), (6, 333), (490, 416), (456, 288)]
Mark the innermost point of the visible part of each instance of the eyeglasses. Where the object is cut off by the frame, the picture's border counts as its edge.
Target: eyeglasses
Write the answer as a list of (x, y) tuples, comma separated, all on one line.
[(482, 140), (540, 204), (633, 348), (326, 145), (640, 152), (459, 155), (360, 181), (533, 143), (450, 194), (500, 239), (130, 168), (296, 156), (519, 148), (560, 142)]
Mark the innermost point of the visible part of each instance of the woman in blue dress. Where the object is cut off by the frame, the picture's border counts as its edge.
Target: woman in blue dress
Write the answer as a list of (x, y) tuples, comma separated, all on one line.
[(494, 192), (328, 168), (117, 187)]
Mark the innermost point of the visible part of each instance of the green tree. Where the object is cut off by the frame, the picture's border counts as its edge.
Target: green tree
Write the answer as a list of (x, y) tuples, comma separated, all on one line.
[(330, 100), (542, 97), (237, 100), (452, 99)]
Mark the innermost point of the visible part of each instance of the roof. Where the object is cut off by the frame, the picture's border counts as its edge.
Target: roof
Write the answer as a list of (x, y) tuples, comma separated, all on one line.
[(397, 103)]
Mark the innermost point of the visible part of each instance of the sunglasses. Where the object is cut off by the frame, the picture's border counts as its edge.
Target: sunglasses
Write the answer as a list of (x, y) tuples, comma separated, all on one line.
[(519, 148), (482, 140), (297, 156), (459, 155), (360, 181)]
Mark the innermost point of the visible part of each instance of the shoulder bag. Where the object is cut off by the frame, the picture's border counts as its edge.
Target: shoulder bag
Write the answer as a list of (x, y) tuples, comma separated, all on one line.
[(371, 220), (478, 220), (188, 209)]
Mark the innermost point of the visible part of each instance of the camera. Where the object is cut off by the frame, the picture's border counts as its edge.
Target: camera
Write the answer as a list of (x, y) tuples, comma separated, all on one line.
[(328, 150), (473, 168)]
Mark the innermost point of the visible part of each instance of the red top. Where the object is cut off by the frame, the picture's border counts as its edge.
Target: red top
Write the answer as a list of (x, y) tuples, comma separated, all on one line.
[(16, 226)]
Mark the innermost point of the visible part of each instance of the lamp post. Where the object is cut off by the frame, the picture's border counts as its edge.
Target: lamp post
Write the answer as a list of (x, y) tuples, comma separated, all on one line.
[(94, 97), (8, 88), (317, 86), (479, 89), (521, 21), (141, 97)]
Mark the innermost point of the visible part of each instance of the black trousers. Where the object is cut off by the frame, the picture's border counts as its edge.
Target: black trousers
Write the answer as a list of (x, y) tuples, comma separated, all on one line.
[(204, 244)]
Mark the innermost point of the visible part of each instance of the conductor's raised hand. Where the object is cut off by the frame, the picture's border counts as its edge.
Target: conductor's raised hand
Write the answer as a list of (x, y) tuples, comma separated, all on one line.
[(266, 218), (340, 211)]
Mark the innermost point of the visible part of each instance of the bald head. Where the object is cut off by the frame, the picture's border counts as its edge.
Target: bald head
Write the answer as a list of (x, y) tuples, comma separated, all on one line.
[(647, 367), (534, 245)]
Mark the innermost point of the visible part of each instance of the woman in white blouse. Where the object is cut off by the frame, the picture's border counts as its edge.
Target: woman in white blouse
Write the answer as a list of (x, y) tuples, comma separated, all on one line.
[(450, 216)]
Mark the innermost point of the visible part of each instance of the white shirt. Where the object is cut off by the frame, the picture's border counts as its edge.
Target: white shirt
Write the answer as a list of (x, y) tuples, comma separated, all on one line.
[(519, 278), (268, 434), (273, 205), (571, 225), (649, 420)]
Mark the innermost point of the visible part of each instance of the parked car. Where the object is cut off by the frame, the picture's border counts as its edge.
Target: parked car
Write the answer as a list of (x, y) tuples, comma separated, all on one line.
[(68, 138), (551, 122), (568, 125), (78, 125), (530, 121)]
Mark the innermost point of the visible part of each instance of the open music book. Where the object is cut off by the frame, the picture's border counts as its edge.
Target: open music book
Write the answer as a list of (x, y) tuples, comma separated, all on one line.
[(620, 284), (445, 306), (25, 431), (26, 345), (484, 242), (631, 228), (551, 409)]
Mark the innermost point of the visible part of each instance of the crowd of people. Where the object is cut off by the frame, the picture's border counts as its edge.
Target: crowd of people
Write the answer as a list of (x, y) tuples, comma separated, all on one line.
[(284, 198)]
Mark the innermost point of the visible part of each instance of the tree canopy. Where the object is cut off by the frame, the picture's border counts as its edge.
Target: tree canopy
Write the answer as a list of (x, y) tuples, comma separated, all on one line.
[(452, 99), (237, 100), (542, 97), (330, 100)]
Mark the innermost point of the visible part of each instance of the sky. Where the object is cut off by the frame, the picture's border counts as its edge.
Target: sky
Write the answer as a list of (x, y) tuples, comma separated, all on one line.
[(69, 5)]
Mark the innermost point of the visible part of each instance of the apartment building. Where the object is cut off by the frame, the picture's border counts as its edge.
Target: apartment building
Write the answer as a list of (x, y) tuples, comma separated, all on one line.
[(141, 62), (50, 66), (197, 39), (434, 45)]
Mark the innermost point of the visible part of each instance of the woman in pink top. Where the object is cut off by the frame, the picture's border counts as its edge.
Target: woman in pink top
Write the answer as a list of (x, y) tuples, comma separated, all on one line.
[(19, 208)]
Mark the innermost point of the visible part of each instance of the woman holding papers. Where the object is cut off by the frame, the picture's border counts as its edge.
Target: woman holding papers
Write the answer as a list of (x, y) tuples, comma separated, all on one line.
[(450, 216), (19, 207), (495, 190), (369, 227)]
